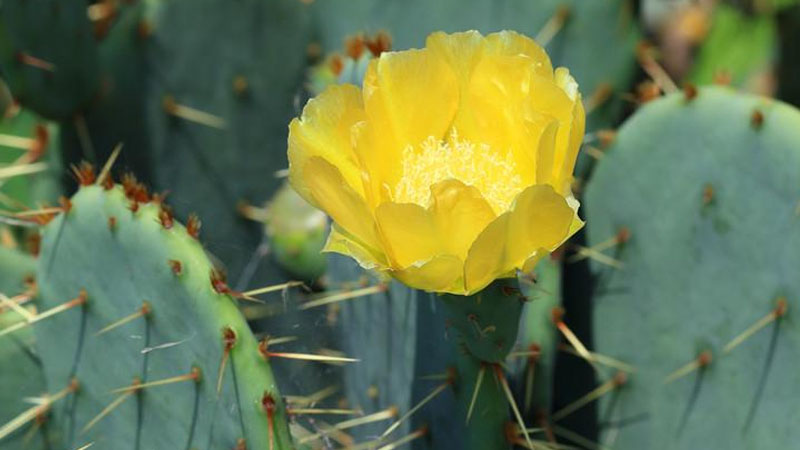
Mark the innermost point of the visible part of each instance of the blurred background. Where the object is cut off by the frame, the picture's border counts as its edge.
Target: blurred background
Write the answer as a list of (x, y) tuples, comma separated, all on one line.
[(690, 199)]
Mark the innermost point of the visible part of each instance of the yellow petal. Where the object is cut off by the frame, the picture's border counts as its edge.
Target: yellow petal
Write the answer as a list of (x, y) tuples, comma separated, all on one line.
[(540, 219), (511, 43), (566, 165), (577, 223), (574, 227), (331, 192), (339, 242), (443, 273), (462, 51), (548, 97), (323, 130), (409, 233), (545, 153), (459, 213), (408, 96), (496, 110), (379, 168), (413, 234)]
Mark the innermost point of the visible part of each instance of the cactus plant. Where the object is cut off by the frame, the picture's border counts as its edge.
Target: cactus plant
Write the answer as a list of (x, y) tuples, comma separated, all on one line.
[(145, 54), (127, 292), (20, 366), (712, 211), (539, 338), (134, 84), (144, 306)]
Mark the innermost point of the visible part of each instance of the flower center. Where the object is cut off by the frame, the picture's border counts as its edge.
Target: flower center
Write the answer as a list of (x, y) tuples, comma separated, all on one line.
[(493, 174)]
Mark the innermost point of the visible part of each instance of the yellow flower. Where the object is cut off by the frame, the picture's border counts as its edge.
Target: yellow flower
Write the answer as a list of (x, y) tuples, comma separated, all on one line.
[(451, 166)]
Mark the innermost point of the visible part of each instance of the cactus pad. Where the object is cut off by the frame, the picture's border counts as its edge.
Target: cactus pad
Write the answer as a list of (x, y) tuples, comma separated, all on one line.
[(708, 187), (54, 72), (20, 366), (128, 258)]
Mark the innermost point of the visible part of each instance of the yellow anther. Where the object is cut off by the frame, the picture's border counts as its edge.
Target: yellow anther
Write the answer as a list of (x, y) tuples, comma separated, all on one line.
[(492, 171)]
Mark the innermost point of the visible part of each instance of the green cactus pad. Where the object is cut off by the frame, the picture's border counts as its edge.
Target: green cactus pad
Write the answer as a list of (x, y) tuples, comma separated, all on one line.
[(490, 417), (53, 72), (441, 354), (245, 90), (16, 266), (121, 259), (20, 366), (380, 330), (538, 334), (708, 188), (484, 328), (488, 320)]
